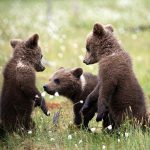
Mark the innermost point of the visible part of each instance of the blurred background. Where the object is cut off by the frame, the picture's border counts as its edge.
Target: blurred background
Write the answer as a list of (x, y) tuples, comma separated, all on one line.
[(63, 26)]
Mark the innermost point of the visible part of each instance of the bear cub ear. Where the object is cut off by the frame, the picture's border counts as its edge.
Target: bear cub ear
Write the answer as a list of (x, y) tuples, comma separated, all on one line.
[(14, 42), (32, 42), (98, 29), (109, 27), (77, 72)]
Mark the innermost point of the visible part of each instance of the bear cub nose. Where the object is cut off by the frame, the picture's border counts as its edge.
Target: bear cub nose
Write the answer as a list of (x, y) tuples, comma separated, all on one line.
[(85, 61), (45, 87)]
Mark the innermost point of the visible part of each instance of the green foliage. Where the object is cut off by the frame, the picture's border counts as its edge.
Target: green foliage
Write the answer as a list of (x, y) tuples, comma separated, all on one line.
[(62, 39)]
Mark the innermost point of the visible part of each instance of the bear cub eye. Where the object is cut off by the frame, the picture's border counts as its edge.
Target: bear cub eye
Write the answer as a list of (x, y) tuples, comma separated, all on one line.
[(87, 48), (57, 81)]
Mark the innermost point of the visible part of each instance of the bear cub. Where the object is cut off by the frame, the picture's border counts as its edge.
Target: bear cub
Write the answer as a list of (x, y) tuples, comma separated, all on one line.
[(19, 92), (76, 86), (118, 89)]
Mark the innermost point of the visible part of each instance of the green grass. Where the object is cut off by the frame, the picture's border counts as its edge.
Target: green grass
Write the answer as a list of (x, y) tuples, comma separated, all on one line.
[(62, 39)]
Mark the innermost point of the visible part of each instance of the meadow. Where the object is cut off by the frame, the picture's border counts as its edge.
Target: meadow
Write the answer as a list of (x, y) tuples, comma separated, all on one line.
[(63, 26)]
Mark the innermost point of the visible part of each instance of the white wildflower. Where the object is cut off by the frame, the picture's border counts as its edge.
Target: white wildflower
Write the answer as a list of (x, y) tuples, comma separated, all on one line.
[(76, 145), (81, 101), (69, 137), (30, 132), (118, 140), (109, 127), (103, 147), (48, 113), (52, 139), (51, 97), (93, 129), (80, 141), (43, 94), (56, 94), (126, 134), (36, 96)]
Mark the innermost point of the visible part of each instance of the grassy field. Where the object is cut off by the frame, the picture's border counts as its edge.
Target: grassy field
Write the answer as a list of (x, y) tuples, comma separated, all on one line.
[(63, 31)]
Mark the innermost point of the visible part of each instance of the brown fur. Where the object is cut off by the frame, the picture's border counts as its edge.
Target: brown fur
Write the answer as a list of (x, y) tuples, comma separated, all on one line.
[(19, 92), (118, 88), (70, 83)]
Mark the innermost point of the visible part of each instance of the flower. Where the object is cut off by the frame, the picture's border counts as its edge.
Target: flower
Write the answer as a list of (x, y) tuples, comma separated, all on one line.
[(81, 101), (69, 137), (48, 113), (109, 127), (56, 94), (80, 141), (43, 94), (126, 134), (51, 96), (118, 140), (52, 139), (30, 132), (36, 96), (93, 129), (103, 147)]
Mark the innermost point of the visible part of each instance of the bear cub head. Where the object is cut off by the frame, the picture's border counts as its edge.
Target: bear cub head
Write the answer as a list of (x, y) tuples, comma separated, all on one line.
[(64, 81), (27, 52), (99, 43)]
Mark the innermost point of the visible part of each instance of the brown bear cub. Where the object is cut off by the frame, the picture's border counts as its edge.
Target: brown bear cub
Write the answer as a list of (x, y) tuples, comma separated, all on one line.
[(75, 85), (19, 93), (118, 89)]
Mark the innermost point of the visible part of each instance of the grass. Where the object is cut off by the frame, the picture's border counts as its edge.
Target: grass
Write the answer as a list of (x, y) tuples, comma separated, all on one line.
[(62, 38)]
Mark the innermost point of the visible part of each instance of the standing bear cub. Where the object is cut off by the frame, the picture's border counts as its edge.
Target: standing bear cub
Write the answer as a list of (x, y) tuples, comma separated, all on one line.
[(75, 85), (118, 89), (19, 93)]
